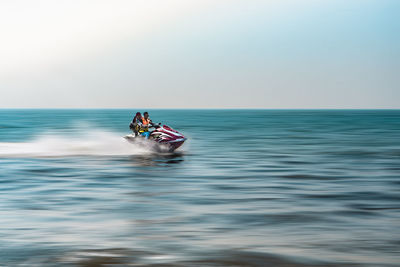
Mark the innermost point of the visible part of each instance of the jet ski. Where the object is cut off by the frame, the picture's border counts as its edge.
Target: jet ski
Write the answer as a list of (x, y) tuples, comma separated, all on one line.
[(163, 138)]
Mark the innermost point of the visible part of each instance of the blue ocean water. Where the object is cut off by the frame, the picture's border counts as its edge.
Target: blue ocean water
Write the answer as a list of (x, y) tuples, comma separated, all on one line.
[(248, 188)]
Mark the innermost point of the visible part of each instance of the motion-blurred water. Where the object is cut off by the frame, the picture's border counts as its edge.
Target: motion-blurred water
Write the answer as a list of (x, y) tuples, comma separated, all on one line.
[(249, 188)]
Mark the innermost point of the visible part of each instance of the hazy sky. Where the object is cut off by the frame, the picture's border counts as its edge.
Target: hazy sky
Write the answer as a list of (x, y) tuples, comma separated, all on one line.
[(200, 54)]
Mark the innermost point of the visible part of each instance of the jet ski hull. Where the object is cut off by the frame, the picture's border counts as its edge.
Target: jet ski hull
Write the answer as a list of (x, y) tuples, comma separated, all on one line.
[(162, 139)]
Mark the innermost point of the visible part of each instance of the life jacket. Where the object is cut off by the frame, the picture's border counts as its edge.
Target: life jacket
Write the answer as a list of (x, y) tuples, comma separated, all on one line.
[(134, 125), (145, 125), (145, 122)]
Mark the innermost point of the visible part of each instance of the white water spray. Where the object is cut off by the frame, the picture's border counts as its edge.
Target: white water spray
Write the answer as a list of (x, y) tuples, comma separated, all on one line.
[(89, 143)]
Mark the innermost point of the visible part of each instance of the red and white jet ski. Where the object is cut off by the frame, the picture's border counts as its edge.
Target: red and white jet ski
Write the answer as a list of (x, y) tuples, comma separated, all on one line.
[(167, 138)]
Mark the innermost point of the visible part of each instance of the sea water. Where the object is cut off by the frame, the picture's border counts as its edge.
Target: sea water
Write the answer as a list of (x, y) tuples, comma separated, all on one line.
[(248, 188)]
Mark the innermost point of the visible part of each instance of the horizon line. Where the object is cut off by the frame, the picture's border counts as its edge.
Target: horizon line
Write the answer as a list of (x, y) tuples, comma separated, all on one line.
[(102, 108)]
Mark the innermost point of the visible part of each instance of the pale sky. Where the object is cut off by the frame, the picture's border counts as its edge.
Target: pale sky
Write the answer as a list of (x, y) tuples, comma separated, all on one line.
[(200, 54)]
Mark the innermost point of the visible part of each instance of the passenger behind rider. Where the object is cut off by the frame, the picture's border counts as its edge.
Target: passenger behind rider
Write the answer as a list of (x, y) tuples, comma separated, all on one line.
[(145, 124), (135, 124)]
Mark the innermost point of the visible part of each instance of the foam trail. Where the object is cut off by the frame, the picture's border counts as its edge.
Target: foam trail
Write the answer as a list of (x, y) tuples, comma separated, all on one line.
[(93, 143)]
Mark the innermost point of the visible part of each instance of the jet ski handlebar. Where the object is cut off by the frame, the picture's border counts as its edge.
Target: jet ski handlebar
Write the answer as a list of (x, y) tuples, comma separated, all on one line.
[(155, 125)]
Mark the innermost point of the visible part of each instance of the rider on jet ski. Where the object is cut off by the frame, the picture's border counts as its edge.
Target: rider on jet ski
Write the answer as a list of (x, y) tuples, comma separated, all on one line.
[(144, 125), (163, 138), (134, 126)]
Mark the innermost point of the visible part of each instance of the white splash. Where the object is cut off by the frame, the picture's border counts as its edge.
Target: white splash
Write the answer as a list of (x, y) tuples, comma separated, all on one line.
[(92, 143)]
